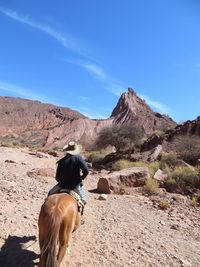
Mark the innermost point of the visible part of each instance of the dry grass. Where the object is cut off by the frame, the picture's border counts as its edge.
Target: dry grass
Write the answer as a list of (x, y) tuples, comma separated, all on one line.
[(164, 204), (151, 187)]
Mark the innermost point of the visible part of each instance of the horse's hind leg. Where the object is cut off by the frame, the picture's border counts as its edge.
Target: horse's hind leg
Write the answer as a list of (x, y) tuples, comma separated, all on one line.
[(64, 237)]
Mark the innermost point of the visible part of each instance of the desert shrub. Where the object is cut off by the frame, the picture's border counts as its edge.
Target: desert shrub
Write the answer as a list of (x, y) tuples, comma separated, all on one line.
[(187, 147), (122, 164), (177, 198), (159, 132), (182, 176), (153, 167), (151, 186), (167, 170), (95, 156), (139, 164), (196, 199), (164, 204), (168, 159), (122, 137), (11, 144)]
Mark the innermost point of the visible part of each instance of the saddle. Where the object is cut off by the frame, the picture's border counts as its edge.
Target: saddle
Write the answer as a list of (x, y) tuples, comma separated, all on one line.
[(76, 196)]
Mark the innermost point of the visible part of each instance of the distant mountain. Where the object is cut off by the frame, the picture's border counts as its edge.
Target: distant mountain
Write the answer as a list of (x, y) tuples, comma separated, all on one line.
[(33, 123), (132, 109), (36, 124)]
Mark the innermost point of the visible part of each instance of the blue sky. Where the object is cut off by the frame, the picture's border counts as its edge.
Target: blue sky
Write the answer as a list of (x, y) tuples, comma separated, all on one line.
[(84, 54)]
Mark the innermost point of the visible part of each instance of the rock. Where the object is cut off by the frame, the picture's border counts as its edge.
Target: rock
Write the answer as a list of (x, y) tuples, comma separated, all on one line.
[(155, 154), (185, 263), (102, 197), (39, 155), (130, 108), (160, 176), (117, 181), (53, 153), (175, 227), (9, 161), (198, 162), (45, 172)]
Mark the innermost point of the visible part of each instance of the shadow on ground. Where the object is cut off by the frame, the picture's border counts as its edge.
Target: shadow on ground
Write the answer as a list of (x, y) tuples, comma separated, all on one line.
[(16, 252), (95, 191)]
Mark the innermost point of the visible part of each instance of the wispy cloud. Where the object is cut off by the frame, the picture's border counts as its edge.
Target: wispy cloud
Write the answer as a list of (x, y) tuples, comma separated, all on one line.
[(93, 115), (95, 70), (116, 89), (156, 105), (21, 91), (100, 74), (84, 98), (63, 39)]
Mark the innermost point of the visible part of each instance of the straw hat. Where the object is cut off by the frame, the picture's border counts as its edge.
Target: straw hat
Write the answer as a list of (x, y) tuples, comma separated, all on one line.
[(72, 148)]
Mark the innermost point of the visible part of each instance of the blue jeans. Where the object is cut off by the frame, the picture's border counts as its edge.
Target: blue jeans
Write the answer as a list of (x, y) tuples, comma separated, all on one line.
[(78, 189)]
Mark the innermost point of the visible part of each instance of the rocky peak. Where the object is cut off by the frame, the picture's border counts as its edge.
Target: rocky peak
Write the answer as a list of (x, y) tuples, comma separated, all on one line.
[(132, 109), (128, 103)]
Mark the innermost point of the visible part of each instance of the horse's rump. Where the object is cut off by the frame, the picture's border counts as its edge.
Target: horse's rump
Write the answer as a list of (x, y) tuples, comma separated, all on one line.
[(58, 218)]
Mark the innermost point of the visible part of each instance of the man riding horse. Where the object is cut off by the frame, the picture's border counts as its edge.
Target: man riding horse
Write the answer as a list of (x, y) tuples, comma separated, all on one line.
[(71, 170)]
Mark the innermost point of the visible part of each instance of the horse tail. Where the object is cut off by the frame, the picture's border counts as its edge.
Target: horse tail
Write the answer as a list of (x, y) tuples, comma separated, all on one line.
[(49, 248)]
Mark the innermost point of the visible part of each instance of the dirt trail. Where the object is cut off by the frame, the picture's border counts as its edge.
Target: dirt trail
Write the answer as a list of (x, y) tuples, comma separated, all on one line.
[(121, 231)]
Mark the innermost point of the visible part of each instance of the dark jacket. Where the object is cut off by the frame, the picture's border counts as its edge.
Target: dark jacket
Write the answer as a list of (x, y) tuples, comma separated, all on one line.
[(69, 170)]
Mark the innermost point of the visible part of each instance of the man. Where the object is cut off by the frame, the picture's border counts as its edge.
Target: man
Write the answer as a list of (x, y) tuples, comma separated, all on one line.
[(71, 170)]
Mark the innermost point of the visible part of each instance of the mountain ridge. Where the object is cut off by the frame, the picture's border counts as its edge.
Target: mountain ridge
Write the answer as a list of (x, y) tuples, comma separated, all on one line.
[(34, 123)]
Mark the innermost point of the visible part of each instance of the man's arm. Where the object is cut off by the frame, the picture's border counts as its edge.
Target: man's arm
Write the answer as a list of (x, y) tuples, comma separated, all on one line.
[(84, 167), (58, 171)]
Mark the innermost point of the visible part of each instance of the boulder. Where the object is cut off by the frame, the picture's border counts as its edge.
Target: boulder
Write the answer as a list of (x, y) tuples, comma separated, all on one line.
[(155, 154), (102, 197), (160, 176), (117, 181)]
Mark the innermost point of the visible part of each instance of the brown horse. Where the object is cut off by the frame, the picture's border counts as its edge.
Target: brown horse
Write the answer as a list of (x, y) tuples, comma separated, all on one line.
[(59, 217)]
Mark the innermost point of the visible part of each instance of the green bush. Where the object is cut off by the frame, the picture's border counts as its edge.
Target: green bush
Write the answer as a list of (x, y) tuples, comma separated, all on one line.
[(159, 132), (122, 137), (11, 144), (151, 186), (182, 176), (164, 204), (122, 164), (168, 159), (153, 167), (95, 156), (196, 199), (187, 147)]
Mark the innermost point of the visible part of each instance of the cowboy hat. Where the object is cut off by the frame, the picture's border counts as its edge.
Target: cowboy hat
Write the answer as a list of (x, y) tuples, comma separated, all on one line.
[(72, 148)]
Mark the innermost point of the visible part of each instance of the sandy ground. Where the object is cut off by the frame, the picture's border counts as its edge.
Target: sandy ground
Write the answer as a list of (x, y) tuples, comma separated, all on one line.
[(121, 231)]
